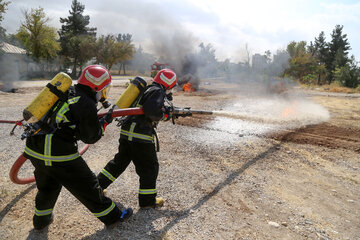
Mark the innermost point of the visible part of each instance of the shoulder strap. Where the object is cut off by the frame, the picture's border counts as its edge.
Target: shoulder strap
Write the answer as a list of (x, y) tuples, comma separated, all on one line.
[(51, 119), (63, 96)]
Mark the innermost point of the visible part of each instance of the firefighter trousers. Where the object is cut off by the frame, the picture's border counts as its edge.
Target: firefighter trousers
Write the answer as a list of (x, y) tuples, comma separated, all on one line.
[(77, 178), (146, 164)]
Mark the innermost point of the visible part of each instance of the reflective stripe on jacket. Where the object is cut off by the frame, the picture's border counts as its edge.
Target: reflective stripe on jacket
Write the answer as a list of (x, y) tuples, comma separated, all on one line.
[(61, 114), (140, 128), (131, 134)]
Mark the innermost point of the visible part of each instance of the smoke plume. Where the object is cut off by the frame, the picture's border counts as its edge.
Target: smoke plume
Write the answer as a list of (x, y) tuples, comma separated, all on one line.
[(9, 69)]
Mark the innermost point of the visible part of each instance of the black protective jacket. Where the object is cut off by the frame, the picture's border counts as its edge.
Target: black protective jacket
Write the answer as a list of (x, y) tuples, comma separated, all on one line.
[(77, 119), (141, 128)]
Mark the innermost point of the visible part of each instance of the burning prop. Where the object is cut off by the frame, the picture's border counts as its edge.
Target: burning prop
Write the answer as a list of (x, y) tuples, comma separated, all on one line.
[(289, 111), (188, 87), (189, 82), (185, 69)]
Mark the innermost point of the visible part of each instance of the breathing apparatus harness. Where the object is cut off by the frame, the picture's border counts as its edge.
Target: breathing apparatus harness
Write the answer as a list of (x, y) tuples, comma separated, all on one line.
[(48, 124)]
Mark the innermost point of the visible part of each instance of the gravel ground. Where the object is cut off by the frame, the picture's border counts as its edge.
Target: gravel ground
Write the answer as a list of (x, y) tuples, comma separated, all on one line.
[(220, 181)]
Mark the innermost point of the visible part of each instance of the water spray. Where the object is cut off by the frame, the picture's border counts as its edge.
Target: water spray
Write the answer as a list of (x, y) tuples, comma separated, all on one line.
[(249, 118)]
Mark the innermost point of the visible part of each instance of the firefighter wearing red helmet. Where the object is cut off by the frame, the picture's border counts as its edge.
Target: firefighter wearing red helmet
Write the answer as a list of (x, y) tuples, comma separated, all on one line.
[(54, 152), (166, 78), (137, 144)]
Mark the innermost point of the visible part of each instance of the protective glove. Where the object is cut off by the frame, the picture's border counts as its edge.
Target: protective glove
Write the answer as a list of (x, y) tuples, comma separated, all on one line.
[(107, 119), (169, 96), (167, 113)]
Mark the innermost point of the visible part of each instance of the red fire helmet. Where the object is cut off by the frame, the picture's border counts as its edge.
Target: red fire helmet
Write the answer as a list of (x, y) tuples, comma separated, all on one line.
[(166, 77), (95, 76)]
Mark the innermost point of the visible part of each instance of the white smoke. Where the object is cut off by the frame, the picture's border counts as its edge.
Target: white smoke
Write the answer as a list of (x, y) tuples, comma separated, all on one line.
[(9, 69), (256, 116)]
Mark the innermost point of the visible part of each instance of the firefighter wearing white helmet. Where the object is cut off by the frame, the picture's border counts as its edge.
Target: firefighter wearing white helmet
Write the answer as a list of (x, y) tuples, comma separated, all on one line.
[(55, 155), (137, 141)]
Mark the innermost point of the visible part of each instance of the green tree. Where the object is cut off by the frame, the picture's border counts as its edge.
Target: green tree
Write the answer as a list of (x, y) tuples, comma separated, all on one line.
[(76, 39), (127, 50), (3, 5), (38, 39), (338, 52), (301, 61), (87, 49), (108, 50), (348, 75), (321, 48), (320, 51), (296, 49)]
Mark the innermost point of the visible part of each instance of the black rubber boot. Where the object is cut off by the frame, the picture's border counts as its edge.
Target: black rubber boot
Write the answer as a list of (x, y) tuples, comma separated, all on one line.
[(159, 202), (125, 214), (42, 222)]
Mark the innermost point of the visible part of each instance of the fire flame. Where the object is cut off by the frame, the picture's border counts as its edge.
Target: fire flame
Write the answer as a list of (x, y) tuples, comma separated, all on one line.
[(289, 111), (188, 87)]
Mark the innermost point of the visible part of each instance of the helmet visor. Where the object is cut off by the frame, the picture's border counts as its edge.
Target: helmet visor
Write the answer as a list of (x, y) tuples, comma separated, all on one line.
[(104, 93)]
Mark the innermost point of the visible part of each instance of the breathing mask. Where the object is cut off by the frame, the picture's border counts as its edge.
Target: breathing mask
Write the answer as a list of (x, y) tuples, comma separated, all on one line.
[(102, 95)]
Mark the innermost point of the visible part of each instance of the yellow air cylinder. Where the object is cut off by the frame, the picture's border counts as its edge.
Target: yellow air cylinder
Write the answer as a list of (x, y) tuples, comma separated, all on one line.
[(46, 99), (130, 94)]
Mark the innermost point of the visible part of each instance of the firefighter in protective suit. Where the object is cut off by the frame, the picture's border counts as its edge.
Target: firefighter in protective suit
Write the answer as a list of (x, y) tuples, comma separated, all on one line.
[(136, 141), (56, 158)]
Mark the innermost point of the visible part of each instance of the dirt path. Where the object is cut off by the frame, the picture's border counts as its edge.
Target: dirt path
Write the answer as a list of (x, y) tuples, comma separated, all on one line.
[(297, 183)]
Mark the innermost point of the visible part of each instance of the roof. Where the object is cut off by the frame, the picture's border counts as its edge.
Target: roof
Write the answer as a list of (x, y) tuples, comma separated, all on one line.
[(8, 48)]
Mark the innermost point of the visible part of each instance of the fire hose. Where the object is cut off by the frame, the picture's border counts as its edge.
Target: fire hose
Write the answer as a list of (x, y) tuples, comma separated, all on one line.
[(177, 112), (22, 159)]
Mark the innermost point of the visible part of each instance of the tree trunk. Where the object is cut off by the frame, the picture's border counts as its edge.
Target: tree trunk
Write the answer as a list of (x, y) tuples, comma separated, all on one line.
[(120, 68), (74, 68), (124, 68), (80, 71)]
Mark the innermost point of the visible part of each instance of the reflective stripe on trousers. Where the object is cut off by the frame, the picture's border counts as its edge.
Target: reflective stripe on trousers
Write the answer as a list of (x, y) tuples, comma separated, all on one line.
[(108, 175), (41, 213), (147, 191), (106, 211)]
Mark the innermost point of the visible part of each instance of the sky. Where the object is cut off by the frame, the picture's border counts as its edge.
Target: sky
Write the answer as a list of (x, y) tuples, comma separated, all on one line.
[(229, 26)]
